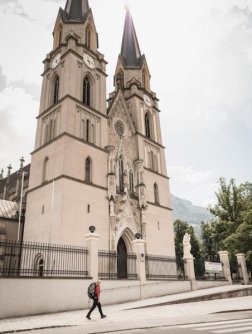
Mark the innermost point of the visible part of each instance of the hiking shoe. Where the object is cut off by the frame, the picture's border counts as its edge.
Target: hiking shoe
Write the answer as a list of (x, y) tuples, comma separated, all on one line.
[(103, 316)]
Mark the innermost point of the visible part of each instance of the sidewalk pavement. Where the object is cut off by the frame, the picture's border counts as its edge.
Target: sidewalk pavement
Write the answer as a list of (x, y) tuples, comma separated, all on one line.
[(138, 314)]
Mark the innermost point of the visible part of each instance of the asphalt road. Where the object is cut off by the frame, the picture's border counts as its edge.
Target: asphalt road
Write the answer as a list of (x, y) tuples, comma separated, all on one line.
[(234, 323)]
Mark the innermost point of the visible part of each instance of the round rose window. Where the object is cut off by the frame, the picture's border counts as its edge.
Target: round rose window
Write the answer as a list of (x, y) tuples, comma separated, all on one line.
[(119, 127)]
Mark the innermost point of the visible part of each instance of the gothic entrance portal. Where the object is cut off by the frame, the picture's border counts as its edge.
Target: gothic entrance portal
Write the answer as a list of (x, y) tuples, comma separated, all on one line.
[(121, 259)]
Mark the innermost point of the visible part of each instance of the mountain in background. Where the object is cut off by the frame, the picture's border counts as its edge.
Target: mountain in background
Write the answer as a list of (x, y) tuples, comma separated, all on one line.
[(192, 214)]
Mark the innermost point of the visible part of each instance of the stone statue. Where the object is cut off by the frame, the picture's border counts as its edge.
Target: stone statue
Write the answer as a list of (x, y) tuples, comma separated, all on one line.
[(111, 207), (187, 246)]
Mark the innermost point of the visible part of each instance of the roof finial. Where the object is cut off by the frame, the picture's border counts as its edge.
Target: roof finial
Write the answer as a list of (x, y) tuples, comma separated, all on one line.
[(22, 160), (9, 169)]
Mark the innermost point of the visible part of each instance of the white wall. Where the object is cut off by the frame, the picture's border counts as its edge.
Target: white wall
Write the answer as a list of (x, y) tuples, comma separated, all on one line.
[(31, 296)]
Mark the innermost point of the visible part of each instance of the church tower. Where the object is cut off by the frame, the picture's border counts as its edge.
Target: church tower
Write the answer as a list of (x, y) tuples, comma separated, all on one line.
[(138, 186), (93, 164), (68, 178)]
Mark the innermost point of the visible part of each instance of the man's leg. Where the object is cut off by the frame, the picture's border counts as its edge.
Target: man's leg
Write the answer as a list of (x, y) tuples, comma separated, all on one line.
[(100, 310), (92, 308)]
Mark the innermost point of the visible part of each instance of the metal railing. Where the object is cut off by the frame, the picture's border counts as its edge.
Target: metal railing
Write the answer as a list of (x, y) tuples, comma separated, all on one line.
[(160, 267), (112, 265), (31, 259), (107, 265), (181, 274)]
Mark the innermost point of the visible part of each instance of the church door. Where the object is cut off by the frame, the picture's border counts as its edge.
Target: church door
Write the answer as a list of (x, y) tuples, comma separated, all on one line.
[(121, 259)]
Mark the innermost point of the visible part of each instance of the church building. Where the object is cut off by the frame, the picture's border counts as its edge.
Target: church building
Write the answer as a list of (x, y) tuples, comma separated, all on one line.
[(97, 162)]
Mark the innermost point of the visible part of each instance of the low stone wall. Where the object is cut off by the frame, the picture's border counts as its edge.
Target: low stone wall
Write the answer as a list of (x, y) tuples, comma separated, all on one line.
[(32, 296), (210, 284), (163, 288)]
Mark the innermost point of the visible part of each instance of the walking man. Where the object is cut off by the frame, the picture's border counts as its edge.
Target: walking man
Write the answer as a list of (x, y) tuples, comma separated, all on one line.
[(96, 301)]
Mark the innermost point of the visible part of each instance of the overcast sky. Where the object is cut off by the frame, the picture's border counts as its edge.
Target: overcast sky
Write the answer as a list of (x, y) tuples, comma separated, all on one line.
[(199, 53)]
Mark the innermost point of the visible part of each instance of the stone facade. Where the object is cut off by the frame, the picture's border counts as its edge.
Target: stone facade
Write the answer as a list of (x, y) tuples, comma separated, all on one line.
[(94, 165)]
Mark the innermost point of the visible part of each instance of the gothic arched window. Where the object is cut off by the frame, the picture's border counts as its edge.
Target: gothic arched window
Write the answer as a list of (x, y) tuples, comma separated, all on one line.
[(156, 194), (86, 91), (88, 37), (131, 182), (58, 36), (148, 125), (144, 79), (45, 170), (121, 174), (56, 89), (88, 167)]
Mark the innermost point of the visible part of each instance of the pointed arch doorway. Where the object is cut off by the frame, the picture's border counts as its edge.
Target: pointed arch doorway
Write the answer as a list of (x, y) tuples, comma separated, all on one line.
[(122, 259)]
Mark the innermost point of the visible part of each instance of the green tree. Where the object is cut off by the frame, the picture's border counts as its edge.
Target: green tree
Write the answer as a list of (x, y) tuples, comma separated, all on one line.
[(232, 228)]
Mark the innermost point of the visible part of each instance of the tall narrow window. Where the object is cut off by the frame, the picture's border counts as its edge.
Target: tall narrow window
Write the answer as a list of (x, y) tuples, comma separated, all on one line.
[(121, 174), (156, 194), (143, 79), (148, 125), (92, 134), (56, 90), (149, 160), (131, 182), (86, 91), (60, 37), (88, 166), (153, 165), (87, 130), (45, 170), (88, 37)]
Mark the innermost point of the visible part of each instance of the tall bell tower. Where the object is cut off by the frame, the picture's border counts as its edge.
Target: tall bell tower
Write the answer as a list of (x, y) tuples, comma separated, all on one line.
[(138, 184), (68, 178)]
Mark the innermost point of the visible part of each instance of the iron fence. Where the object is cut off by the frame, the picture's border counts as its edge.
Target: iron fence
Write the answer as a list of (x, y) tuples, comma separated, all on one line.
[(201, 274), (107, 265), (160, 267), (113, 265), (31, 259), (181, 274)]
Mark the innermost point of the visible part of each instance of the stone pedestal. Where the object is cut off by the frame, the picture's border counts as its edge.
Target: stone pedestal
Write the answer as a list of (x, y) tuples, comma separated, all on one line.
[(91, 240), (225, 265), (242, 268), (189, 271), (139, 249)]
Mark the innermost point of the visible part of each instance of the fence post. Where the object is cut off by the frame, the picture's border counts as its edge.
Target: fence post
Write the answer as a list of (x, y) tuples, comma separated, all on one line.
[(139, 249), (242, 264), (225, 265), (92, 245)]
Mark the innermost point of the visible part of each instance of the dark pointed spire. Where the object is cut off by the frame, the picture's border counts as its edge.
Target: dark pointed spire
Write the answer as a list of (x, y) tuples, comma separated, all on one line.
[(130, 51), (76, 10)]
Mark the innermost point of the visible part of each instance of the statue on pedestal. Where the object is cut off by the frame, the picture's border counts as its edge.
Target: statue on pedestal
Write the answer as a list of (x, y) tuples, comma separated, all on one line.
[(187, 246)]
